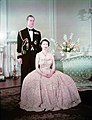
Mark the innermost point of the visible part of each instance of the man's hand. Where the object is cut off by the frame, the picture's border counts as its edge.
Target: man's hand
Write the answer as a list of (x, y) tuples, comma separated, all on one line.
[(20, 60)]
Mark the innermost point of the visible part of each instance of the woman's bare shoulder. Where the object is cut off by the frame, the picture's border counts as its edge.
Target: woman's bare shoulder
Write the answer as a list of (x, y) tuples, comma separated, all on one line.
[(50, 54)]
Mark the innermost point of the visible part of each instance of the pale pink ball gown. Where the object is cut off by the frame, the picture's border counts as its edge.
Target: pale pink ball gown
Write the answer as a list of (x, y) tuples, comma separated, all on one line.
[(39, 93)]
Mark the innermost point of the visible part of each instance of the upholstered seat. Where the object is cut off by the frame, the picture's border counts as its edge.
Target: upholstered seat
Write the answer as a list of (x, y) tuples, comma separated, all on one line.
[(79, 68)]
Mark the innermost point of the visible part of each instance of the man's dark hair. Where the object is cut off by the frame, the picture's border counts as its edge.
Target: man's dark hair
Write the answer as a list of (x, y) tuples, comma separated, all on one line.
[(30, 16)]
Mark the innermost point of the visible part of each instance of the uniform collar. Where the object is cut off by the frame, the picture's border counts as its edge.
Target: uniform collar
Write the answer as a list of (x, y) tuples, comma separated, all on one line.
[(30, 29)]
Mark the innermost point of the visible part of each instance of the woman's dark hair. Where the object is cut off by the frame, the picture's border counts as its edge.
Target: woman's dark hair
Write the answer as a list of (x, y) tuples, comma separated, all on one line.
[(30, 16), (46, 40)]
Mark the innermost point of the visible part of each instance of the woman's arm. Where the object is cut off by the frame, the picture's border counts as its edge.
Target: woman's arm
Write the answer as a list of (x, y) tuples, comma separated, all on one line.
[(53, 64), (52, 68), (37, 65)]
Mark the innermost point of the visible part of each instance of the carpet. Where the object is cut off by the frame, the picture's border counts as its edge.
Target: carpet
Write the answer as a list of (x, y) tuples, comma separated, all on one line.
[(10, 110)]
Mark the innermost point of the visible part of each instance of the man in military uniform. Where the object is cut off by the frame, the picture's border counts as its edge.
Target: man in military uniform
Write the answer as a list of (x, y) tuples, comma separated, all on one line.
[(28, 44)]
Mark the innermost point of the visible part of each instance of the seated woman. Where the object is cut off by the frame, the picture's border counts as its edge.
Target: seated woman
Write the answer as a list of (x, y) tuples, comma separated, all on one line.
[(46, 88)]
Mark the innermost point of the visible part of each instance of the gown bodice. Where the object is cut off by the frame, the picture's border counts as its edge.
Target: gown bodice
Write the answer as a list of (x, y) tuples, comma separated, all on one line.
[(45, 62)]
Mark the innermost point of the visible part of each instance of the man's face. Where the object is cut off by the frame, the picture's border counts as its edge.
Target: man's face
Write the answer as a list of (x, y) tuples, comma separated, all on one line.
[(30, 22)]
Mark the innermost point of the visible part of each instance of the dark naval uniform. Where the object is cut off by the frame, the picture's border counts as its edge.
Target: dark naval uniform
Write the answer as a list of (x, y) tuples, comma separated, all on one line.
[(27, 50)]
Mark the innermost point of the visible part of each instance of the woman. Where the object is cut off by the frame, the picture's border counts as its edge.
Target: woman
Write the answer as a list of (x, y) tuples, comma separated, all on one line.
[(46, 88)]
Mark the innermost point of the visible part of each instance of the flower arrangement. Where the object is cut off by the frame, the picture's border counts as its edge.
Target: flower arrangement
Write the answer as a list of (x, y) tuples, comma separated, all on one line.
[(68, 45)]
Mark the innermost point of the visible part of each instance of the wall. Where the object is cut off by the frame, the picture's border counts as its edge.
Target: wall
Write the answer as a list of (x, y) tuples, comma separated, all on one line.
[(53, 17), (73, 16), (18, 10)]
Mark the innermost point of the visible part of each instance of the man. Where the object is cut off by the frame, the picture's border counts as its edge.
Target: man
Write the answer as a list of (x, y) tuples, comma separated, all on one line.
[(28, 44)]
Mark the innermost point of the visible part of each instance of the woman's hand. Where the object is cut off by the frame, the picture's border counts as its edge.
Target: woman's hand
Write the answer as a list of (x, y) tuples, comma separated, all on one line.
[(45, 74), (48, 75)]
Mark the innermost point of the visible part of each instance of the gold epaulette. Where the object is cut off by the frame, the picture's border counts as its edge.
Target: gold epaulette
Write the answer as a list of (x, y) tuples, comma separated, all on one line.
[(21, 36)]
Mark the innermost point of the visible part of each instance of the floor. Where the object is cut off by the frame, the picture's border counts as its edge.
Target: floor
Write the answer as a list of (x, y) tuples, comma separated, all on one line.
[(9, 105), (10, 82)]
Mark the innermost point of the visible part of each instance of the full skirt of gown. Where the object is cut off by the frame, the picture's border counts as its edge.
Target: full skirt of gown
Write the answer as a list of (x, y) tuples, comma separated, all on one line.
[(39, 93)]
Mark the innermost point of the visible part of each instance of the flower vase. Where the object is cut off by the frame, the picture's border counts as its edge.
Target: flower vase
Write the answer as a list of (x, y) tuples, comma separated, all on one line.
[(68, 54)]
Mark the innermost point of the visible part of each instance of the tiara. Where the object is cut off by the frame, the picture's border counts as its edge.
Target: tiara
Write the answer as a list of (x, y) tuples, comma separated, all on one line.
[(44, 38)]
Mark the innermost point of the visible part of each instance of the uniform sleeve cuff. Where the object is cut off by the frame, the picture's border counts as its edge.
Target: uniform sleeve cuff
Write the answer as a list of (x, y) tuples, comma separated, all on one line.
[(20, 56)]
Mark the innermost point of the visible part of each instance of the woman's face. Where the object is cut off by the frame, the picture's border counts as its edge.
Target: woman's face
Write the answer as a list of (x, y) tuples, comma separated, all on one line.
[(44, 45)]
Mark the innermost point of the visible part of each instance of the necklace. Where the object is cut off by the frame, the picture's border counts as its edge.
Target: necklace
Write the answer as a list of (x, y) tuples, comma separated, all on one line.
[(44, 53)]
